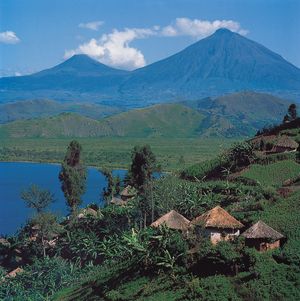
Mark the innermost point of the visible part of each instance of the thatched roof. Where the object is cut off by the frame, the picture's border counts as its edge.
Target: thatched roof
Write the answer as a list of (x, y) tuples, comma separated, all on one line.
[(4, 242), (14, 273), (261, 230), (118, 201), (87, 212), (217, 218), (172, 220), (128, 191), (264, 138), (286, 141)]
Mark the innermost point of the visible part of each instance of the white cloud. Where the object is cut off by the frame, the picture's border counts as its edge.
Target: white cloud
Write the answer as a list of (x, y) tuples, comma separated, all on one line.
[(199, 28), (9, 37), (91, 25), (114, 49)]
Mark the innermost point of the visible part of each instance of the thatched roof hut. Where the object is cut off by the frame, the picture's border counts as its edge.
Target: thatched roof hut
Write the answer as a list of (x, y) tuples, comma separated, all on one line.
[(217, 218), (87, 212), (128, 192), (14, 273), (265, 138), (4, 242), (262, 231), (285, 141), (172, 220), (118, 201)]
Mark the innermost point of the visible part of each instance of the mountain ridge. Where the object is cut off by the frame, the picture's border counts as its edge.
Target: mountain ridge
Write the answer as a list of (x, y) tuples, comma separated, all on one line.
[(222, 63)]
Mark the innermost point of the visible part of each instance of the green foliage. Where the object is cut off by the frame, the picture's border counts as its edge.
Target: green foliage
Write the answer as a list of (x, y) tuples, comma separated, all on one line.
[(241, 154), (48, 227), (202, 170), (292, 112), (81, 247), (214, 288), (37, 198), (273, 174), (142, 167), (73, 176), (39, 280), (194, 198)]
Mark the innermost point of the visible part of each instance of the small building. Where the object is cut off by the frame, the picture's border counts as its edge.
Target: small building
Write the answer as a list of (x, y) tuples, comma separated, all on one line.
[(172, 220), (15, 272), (284, 144), (118, 201), (87, 212), (262, 237), (128, 193), (217, 224)]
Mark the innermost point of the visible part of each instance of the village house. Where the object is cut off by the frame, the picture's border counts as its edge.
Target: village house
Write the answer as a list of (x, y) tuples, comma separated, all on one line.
[(87, 212), (271, 144), (217, 224), (128, 193), (172, 220), (118, 201), (284, 144), (262, 237)]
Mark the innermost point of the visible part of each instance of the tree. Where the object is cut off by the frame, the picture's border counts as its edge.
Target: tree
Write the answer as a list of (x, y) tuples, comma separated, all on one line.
[(47, 226), (73, 176), (242, 154), (292, 112), (142, 167), (286, 118), (109, 190), (37, 198)]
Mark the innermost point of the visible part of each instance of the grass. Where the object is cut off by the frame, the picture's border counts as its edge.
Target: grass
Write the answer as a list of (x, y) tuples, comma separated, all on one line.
[(273, 174), (171, 153)]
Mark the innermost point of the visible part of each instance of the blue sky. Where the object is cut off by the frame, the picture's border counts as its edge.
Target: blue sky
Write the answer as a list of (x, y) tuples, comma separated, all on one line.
[(127, 34)]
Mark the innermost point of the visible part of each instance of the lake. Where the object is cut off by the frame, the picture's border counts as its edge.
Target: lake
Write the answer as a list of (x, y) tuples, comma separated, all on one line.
[(16, 176)]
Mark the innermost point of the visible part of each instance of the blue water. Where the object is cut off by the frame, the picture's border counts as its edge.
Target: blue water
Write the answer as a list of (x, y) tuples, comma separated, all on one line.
[(16, 176)]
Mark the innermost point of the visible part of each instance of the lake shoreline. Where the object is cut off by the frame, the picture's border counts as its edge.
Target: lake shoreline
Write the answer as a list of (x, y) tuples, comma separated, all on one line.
[(17, 176), (56, 163)]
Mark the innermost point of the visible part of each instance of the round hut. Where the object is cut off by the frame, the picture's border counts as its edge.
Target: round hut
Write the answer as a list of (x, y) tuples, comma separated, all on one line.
[(262, 237), (172, 220), (128, 193), (217, 224)]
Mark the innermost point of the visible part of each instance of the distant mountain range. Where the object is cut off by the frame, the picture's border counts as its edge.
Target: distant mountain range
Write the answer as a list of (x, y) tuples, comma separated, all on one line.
[(239, 114), (222, 63)]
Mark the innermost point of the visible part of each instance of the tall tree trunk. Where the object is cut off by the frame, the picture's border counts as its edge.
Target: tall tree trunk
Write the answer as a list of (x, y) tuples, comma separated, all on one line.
[(44, 247)]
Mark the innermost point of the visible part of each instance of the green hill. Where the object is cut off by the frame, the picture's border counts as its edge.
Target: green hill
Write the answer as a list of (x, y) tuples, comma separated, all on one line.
[(239, 114), (28, 109), (167, 120), (233, 115)]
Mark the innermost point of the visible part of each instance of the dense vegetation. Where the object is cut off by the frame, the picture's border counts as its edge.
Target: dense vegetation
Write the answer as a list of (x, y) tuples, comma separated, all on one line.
[(112, 254)]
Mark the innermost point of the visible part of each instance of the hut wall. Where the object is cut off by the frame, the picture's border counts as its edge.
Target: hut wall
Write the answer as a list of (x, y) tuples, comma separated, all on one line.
[(282, 149), (126, 198), (216, 234), (269, 246), (262, 245)]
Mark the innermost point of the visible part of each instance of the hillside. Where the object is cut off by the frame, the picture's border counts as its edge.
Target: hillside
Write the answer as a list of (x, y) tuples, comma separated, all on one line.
[(169, 120), (28, 109), (224, 62), (240, 113), (117, 253), (234, 115)]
